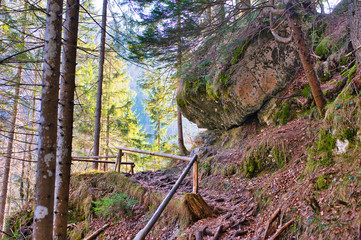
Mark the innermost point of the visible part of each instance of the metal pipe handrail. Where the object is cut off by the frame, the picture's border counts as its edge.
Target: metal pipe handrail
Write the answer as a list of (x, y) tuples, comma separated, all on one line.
[(143, 233)]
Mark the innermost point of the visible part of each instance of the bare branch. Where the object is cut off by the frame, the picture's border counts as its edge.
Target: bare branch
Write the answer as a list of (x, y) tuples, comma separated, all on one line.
[(275, 35), (27, 50)]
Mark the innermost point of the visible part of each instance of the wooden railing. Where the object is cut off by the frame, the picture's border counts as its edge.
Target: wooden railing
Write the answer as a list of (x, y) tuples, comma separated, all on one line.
[(97, 160), (165, 155), (192, 162)]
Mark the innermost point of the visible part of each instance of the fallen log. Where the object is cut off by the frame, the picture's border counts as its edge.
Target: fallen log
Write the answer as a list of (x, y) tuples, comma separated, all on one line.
[(97, 232)]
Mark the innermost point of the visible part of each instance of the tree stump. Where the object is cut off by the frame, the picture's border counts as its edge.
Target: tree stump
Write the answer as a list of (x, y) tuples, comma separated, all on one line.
[(196, 207)]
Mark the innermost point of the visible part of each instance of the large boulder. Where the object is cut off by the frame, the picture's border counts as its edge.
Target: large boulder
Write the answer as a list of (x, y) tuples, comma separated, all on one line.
[(238, 86)]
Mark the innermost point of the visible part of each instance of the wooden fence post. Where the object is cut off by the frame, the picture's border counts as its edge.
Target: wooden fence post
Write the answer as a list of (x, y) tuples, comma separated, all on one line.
[(120, 159), (195, 176), (117, 160)]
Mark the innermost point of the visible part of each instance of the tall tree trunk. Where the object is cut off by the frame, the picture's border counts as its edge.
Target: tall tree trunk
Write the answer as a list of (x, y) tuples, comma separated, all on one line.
[(182, 149), (107, 137), (98, 110), (22, 174), (355, 32), (65, 124), (9, 151), (305, 56), (30, 155), (9, 195), (46, 163)]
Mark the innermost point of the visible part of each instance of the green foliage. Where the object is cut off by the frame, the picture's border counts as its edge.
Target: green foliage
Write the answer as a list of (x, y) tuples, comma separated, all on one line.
[(343, 117), (349, 133), (113, 205), (119, 121), (195, 85), (224, 79), (322, 48), (350, 72), (325, 142), (238, 52), (22, 218), (158, 88), (306, 91), (282, 116), (266, 157), (322, 183), (321, 154)]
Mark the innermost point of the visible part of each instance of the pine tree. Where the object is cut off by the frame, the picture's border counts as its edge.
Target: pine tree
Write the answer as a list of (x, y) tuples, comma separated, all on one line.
[(65, 124), (45, 171)]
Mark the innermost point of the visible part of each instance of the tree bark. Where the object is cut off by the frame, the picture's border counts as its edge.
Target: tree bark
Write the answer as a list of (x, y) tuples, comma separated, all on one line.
[(22, 175), (355, 32), (65, 124), (98, 110), (182, 148), (9, 150), (46, 163), (30, 155), (355, 28), (9, 195), (305, 56), (107, 138)]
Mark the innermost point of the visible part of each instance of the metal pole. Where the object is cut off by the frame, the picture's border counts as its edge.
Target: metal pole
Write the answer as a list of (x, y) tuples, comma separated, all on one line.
[(143, 233)]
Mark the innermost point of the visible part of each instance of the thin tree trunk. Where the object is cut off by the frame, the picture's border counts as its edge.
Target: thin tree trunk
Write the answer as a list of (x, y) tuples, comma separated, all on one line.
[(22, 175), (98, 110), (46, 163), (355, 28), (30, 155), (305, 56), (107, 140), (9, 195), (65, 124), (182, 149), (355, 32), (9, 150)]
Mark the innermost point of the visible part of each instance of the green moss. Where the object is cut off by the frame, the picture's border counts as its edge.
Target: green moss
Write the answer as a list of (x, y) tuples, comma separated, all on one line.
[(195, 85), (267, 157), (212, 91), (238, 52), (282, 116), (325, 141), (181, 102), (228, 171), (349, 133), (114, 206), (224, 79), (306, 91), (350, 72), (205, 167), (322, 48), (322, 182)]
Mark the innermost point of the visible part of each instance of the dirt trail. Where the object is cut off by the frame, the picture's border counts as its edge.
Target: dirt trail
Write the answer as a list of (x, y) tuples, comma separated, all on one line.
[(236, 200)]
